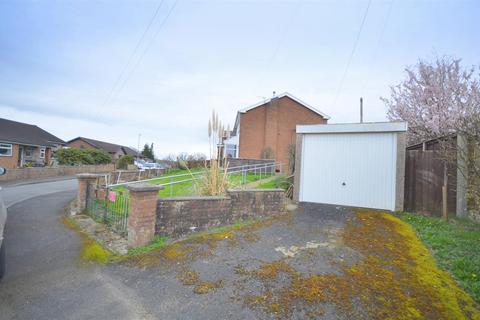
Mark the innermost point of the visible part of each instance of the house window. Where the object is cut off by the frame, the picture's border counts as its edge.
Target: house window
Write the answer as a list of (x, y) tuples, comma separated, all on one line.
[(231, 150), (42, 153), (5, 150), (29, 151)]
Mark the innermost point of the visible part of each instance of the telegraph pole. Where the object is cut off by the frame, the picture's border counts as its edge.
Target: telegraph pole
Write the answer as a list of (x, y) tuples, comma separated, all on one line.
[(361, 110), (138, 145)]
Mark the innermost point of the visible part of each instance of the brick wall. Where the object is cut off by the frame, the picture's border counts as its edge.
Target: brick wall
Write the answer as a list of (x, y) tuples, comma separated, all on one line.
[(273, 125), (180, 216), (12, 161), (48, 172)]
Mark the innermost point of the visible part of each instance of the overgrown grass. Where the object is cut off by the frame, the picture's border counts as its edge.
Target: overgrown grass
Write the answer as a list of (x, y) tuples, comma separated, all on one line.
[(157, 243), (279, 182), (455, 245)]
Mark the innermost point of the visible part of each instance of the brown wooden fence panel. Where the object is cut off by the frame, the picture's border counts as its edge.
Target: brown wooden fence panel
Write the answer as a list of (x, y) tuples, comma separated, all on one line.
[(423, 183)]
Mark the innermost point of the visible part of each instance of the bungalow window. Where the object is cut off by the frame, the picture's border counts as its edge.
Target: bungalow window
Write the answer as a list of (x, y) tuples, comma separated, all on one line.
[(29, 152), (5, 150), (42, 153)]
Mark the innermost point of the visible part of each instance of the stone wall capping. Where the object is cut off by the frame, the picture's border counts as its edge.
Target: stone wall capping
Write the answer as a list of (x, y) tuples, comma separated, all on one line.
[(254, 190), (89, 175), (143, 187), (199, 198)]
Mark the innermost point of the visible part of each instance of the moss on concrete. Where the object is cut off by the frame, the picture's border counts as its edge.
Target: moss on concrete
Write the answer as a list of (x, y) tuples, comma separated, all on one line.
[(199, 244), (91, 250), (191, 278), (396, 278)]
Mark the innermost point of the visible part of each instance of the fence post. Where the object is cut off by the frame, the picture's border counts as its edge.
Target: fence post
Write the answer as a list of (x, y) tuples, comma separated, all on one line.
[(85, 189), (143, 214)]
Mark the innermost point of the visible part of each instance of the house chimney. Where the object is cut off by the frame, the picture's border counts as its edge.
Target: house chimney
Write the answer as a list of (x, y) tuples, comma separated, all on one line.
[(274, 94)]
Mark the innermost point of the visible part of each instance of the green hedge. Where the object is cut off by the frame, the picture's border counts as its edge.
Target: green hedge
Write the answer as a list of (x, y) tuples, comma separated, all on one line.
[(76, 156)]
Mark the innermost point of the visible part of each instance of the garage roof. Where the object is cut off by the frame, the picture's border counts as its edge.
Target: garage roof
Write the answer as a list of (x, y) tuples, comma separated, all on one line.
[(353, 127)]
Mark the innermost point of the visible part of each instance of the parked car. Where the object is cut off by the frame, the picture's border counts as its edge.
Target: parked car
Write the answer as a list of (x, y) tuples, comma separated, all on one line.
[(3, 219), (152, 165), (140, 164)]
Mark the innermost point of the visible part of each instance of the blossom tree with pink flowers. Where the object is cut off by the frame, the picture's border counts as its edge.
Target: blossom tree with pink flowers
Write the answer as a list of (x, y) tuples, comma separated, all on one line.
[(441, 99), (436, 99)]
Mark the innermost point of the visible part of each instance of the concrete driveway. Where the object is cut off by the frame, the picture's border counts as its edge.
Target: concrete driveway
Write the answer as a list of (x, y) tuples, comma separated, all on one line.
[(323, 262)]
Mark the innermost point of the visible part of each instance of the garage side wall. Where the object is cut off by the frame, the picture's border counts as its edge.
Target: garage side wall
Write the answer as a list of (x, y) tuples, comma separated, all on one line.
[(298, 167), (400, 172)]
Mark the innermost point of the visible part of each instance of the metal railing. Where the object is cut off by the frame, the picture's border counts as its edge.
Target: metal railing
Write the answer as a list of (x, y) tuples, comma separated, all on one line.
[(261, 169), (110, 207), (109, 203)]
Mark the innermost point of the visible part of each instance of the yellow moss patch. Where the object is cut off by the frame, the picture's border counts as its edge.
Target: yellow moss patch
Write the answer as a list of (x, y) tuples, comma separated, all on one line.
[(396, 278), (191, 278), (272, 269), (188, 277), (69, 223), (94, 252), (91, 250), (205, 286)]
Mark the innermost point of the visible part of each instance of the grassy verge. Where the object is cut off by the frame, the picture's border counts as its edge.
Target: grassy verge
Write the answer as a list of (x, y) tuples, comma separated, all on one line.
[(278, 183), (455, 245)]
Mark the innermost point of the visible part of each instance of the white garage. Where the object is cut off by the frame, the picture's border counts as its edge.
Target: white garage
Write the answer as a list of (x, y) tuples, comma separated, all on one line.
[(359, 165)]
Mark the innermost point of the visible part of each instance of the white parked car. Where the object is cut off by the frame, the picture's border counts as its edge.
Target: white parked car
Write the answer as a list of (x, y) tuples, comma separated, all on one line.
[(152, 165), (143, 165), (3, 219), (140, 164)]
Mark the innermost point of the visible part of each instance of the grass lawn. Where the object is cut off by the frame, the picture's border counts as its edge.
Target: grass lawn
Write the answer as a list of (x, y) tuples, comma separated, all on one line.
[(236, 178), (455, 245), (185, 189), (176, 190), (278, 183)]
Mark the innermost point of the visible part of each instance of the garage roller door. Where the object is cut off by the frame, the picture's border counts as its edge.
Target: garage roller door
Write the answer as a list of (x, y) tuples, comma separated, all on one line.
[(351, 169)]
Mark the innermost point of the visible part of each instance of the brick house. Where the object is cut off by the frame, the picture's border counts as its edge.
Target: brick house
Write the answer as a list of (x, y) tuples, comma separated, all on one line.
[(115, 150), (23, 144), (266, 129)]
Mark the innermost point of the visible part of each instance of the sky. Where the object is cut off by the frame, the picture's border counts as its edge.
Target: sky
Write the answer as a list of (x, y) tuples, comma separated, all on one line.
[(119, 70)]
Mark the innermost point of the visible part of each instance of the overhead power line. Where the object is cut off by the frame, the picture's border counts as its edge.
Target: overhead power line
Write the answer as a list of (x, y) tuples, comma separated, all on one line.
[(132, 55), (377, 47), (281, 40), (352, 52), (148, 45)]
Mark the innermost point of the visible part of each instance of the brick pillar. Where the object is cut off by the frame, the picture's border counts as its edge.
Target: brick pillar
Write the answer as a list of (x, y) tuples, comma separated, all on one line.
[(86, 181), (143, 214)]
